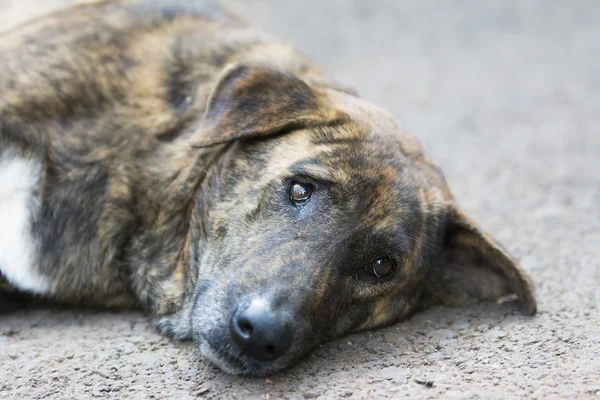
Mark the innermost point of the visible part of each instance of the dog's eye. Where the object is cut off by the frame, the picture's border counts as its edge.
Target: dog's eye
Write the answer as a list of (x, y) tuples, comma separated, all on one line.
[(300, 192), (380, 268)]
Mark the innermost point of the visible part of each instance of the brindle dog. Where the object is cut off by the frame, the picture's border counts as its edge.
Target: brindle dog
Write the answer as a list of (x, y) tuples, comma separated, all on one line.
[(166, 155)]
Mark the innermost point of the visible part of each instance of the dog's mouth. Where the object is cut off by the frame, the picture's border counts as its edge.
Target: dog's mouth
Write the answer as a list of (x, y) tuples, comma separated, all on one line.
[(230, 360)]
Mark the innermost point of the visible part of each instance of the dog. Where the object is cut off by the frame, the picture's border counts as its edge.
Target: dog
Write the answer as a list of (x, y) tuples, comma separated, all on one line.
[(165, 155)]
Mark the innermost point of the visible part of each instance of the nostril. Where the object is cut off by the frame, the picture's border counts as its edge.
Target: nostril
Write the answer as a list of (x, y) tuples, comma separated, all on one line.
[(245, 328), (241, 328)]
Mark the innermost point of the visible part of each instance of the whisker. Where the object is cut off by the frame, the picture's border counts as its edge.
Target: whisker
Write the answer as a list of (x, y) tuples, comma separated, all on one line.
[(420, 257), (421, 243)]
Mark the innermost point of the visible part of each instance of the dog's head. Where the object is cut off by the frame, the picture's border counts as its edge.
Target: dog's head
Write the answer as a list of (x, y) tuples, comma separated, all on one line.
[(321, 218)]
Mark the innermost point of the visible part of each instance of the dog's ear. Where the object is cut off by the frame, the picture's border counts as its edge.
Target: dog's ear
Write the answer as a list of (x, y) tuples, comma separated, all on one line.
[(258, 101), (474, 267)]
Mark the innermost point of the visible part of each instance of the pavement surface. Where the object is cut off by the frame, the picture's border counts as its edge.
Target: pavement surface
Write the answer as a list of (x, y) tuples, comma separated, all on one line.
[(505, 95)]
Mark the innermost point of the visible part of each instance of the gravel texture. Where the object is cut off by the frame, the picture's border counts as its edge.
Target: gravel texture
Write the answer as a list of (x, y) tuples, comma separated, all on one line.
[(505, 95)]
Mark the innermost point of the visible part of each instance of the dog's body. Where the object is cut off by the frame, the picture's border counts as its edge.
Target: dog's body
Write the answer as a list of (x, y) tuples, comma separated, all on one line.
[(169, 156)]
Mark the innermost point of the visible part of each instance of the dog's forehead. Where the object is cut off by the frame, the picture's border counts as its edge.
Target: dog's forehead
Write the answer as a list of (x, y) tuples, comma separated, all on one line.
[(390, 133), (377, 122), (347, 155)]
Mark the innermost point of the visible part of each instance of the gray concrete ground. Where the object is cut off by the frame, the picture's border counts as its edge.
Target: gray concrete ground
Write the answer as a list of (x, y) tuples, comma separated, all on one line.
[(506, 97)]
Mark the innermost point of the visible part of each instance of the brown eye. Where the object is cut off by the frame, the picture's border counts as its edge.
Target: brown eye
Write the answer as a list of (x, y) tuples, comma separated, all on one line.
[(381, 268), (300, 192)]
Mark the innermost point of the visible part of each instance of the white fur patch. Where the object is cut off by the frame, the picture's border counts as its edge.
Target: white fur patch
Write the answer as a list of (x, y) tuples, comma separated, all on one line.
[(18, 179)]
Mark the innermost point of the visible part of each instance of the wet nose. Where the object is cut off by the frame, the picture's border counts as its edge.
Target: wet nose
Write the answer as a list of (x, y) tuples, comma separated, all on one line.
[(261, 332)]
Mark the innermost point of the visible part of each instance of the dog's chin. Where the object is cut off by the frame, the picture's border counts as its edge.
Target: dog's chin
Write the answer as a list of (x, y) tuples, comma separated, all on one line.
[(238, 365)]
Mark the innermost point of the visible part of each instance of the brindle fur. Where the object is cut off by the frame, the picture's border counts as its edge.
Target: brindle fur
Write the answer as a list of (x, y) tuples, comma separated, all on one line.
[(169, 132)]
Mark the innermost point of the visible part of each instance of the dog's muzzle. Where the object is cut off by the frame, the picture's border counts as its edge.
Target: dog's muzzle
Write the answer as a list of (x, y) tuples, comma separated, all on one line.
[(260, 331)]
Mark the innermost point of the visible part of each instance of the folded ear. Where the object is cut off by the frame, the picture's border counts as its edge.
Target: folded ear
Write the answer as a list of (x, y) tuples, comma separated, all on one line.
[(257, 101), (474, 267)]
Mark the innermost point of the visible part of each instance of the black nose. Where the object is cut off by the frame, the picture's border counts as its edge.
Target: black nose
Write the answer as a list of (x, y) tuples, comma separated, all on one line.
[(260, 332)]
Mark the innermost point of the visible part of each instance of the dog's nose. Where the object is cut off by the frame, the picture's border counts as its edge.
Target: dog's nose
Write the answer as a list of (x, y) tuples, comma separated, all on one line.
[(261, 332)]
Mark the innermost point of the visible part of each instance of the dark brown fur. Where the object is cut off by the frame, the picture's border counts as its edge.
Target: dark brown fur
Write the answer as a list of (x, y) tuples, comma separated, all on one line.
[(168, 135)]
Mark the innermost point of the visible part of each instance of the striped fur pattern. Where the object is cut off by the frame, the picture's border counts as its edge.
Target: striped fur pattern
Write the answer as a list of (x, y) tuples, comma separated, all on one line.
[(151, 146)]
